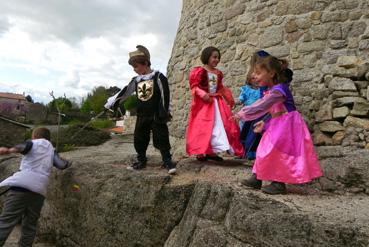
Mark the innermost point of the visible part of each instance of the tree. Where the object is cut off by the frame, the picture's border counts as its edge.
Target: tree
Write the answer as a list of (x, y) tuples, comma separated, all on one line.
[(86, 106), (29, 99), (98, 98), (112, 90), (63, 103)]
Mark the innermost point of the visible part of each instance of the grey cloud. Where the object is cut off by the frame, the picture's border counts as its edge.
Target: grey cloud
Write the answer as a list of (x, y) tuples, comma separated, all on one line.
[(4, 25), (73, 20)]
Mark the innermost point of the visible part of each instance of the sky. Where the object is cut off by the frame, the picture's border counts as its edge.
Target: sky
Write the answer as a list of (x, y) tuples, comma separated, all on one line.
[(71, 46)]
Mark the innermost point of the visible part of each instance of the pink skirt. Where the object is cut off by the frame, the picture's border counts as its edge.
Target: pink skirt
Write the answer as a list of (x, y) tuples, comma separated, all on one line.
[(286, 152)]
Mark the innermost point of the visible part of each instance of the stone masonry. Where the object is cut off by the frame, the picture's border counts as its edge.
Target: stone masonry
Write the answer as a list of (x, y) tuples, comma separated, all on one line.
[(326, 43)]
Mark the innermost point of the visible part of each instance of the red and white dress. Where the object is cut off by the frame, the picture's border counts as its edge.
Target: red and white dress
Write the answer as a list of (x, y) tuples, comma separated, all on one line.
[(210, 129)]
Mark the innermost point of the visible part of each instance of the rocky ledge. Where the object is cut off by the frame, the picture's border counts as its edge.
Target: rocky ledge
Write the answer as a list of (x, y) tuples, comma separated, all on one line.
[(98, 202)]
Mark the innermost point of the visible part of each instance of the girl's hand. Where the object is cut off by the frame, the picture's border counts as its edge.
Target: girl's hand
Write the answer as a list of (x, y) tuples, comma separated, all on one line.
[(4, 151), (259, 126), (238, 102), (207, 98), (235, 118)]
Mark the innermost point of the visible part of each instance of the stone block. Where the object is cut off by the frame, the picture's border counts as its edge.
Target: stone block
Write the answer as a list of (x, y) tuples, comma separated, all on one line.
[(338, 137), (279, 51), (234, 11), (362, 84), (319, 32), (321, 139), (293, 37), (340, 94), (342, 84), (312, 46), (347, 101), (341, 112), (331, 126), (356, 29), (272, 36), (348, 62), (324, 113), (291, 26), (337, 44), (357, 122), (360, 109)]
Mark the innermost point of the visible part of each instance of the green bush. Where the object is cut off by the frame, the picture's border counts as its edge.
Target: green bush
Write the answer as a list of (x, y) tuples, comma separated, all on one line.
[(130, 102), (73, 136), (102, 123), (75, 122)]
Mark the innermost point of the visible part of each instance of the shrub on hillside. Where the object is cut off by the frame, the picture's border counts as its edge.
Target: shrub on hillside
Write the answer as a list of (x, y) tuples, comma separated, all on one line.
[(74, 136)]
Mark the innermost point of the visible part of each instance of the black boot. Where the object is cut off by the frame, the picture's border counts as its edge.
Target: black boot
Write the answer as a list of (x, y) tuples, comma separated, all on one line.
[(168, 162), (139, 164), (201, 157), (275, 188), (214, 157), (252, 182)]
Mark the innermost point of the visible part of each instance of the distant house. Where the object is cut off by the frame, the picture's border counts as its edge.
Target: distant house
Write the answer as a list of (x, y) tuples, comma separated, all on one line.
[(13, 105), (11, 132)]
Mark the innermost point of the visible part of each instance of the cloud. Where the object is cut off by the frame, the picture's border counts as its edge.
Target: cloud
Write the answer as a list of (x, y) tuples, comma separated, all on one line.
[(4, 25), (74, 20), (75, 45), (71, 80)]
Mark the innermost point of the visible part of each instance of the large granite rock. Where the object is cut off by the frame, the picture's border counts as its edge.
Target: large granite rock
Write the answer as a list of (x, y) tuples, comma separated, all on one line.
[(202, 206)]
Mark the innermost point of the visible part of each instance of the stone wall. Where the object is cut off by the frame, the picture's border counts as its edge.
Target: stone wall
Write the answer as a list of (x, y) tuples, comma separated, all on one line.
[(325, 41), (11, 134)]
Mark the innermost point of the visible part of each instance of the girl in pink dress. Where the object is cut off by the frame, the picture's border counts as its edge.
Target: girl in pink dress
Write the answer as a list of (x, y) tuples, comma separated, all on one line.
[(286, 152)]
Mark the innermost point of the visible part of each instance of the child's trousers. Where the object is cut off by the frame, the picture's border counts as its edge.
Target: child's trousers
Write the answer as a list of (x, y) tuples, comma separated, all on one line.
[(160, 135), (25, 206)]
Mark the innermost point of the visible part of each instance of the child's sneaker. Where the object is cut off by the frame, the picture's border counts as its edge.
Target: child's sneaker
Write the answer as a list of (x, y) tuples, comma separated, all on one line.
[(252, 182), (274, 188), (171, 167), (138, 165)]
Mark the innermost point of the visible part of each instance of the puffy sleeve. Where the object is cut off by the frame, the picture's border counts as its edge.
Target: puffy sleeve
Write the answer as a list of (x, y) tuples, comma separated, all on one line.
[(227, 95), (220, 85), (261, 107), (165, 91), (243, 95), (197, 75)]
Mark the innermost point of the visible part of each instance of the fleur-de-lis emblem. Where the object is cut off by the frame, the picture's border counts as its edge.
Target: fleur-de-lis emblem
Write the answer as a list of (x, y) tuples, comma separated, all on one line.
[(145, 90)]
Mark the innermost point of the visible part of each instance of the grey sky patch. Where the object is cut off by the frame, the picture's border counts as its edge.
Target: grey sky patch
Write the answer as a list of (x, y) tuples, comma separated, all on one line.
[(4, 25), (74, 20), (92, 37)]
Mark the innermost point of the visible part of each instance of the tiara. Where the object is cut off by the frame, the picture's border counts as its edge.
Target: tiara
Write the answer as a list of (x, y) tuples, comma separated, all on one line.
[(262, 53)]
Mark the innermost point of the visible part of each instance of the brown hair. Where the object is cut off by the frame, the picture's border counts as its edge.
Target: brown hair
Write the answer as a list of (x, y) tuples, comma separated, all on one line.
[(41, 132), (279, 66), (255, 56), (206, 54), (143, 58)]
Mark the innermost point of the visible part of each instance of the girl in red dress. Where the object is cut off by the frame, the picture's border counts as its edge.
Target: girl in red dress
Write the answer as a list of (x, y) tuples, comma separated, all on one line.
[(210, 130)]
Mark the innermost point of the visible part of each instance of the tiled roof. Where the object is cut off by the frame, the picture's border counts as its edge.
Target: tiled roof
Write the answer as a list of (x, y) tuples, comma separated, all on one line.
[(12, 96)]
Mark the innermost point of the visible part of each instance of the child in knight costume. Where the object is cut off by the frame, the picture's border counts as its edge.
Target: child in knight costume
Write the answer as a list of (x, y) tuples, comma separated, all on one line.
[(153, 96)]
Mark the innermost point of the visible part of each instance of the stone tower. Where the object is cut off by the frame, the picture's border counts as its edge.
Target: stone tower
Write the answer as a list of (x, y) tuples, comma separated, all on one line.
[(325, 41)]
